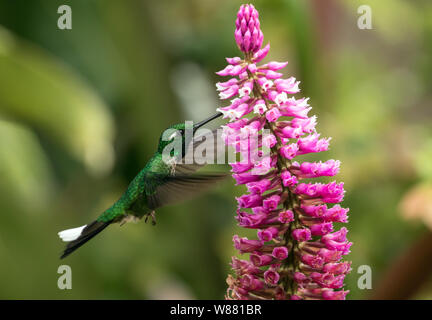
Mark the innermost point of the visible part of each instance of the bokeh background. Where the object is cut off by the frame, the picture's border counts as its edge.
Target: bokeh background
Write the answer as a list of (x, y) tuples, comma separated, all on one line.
[(81, 111)]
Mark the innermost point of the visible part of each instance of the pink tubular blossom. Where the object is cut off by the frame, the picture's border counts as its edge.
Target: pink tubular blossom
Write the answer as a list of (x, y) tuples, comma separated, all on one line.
[(268, 234), (297, 253), (301, 234), (261, 53), (273, 114), (286, 216), (280, 253), (288, 179), (271, 277), (316, 169)]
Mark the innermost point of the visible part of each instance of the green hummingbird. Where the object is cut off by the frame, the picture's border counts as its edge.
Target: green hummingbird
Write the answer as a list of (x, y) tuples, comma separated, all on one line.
[(159, 183)]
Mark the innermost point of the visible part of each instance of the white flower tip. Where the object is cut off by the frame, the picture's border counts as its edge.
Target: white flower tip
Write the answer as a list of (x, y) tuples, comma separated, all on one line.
[(71, 234)]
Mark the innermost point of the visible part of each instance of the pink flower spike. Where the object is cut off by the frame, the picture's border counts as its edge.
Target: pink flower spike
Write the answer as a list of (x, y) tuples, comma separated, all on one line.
[(286, 213)]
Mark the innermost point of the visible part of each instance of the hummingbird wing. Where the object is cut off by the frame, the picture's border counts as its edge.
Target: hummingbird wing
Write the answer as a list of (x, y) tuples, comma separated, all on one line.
[(162, 190), (203, 149)]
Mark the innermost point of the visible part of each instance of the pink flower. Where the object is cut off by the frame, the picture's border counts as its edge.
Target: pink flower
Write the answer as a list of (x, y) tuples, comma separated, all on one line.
[(316, 169), (260, 106), (307, 125), (291, 132), (280, 253), (261, 53), (312, 143), (269, 141), (234, 61), (297, 254), (286, 216), (289, 151), (246, 177), (221, 86), (268, 234), (321, 229), (271, 277), (259, 187), (261, 260), (334, 295), (290, 85), (288, 180), (246, 245), (271, 202), (249, 201), (296, 108), (274, 65), (301, 234), (273, 114)]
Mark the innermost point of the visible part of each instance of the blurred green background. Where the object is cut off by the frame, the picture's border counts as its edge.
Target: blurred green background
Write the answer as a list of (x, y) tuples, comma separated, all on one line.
[(81, 111)]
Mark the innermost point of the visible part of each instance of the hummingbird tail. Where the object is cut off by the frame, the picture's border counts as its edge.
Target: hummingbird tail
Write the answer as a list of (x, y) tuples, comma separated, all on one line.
[(79, 236)]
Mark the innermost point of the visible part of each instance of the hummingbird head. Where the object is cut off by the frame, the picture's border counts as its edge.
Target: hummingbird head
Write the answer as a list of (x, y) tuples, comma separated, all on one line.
[(177, 133)]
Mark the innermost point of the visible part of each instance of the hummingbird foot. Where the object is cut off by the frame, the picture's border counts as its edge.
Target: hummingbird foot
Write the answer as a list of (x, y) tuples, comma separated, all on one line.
[(153, 217), (129, 218)]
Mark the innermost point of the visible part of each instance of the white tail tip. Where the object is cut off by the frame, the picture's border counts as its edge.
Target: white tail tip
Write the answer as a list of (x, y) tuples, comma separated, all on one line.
[(71, 234)]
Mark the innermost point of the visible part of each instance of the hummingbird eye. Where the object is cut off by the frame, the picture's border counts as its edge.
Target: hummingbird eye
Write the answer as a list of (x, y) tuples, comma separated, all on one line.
[(177, 133)]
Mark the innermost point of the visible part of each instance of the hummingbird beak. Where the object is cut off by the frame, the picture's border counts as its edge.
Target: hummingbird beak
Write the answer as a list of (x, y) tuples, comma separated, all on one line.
[(201, 123)]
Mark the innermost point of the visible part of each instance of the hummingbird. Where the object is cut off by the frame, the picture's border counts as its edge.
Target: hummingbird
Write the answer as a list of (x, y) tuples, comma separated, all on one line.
[(159, 183)]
